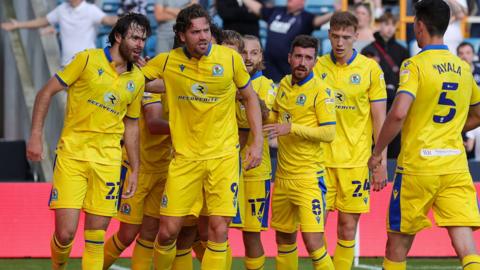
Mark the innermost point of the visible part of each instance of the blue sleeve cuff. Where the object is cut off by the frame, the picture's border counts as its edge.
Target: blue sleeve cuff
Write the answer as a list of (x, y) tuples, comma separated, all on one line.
[(62, 82), (243, 87), (327, 123), (379, 100), (405, 92)]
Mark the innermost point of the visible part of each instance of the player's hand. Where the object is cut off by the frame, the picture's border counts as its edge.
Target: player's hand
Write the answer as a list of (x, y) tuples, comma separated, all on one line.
[(129, 190), (11, 25), (374, 161), (35, 148), (379, 177), (264, 109), (253, 156), (141, 62), (275, 130)]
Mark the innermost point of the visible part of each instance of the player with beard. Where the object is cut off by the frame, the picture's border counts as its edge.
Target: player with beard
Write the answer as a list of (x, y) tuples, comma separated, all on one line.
[(104, 94), (200, 81), (305, 114)]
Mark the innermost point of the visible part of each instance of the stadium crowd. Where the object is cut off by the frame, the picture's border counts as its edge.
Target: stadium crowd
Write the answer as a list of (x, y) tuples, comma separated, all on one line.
[(177, 147)]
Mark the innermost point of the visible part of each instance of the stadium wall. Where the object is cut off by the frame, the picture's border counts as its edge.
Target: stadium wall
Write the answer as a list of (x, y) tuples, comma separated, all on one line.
[(26, 225)]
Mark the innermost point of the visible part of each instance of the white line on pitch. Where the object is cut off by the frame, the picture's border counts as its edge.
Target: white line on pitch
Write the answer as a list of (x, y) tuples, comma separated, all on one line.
[(117, 267), (364, 266)]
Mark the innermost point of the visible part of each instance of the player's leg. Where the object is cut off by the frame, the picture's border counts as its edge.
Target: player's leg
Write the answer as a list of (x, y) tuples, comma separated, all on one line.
[(221, 189), (201, 246), (183, 258), (66, 198), (346, 230), (95, 227), (143, 251), (456, 208), (398, 245), (287, 252), (117, 243)]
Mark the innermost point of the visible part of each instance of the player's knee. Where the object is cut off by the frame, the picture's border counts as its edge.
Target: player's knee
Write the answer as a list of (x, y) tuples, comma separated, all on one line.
[(126, 237), (346, 230), (218, 228), (251, 239), (65, 236), (166, 235)]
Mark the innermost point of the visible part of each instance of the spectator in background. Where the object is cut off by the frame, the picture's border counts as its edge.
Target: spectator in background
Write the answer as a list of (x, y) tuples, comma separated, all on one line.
[(454, 35), (363, 12), (166, 12), (236, 16), (377, 7), (390, 55), (136, 6), (474, 10), (77, 22), (284, 24)]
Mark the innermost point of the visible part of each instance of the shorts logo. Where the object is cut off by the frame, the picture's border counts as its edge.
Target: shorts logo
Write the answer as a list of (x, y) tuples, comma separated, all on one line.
[(199, 90), (324, 75), (130, 86), (182, 67), (54, 195), (217, 70), (110, 99), (126, 209), (365, 200), (100, 71), (164, 201), (234, 189), (355, 79), (317, 210), (301, 100), (395, 194)]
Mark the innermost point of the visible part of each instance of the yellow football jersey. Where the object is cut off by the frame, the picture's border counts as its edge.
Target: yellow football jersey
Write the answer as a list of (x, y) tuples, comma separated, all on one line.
[(306, 103), (98, 100), (356, 84), (155, 150), (266, 91), (443, 89), (201, 99)]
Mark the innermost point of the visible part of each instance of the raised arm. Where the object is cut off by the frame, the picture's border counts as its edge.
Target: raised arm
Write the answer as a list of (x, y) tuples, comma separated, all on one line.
[(253, 6), (35, 23)]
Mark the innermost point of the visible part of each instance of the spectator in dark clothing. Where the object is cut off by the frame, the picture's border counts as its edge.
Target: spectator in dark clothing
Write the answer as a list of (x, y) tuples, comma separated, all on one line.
[(236, 16), (284, 24), (390, 55), (467, 53)]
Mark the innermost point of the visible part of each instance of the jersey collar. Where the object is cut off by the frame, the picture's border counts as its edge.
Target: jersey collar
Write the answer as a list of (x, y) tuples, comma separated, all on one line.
[(207, 53), (256, 75), (434, 47), (106, 50), (304, 81), (334, 60)]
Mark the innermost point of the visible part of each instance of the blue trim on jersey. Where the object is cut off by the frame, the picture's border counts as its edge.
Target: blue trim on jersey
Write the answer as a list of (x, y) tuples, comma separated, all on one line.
[(244, 129), (395, 211), (106, 50), (304, 81), (133, 118), (123, 175), (327, 123), (151, 103), (405, 92), (257, 74), (378, 100), (434, 47), (94, 242), (62, 82), (334, 59), (266, 209), (474, 104), (245, 86), (323, 188)]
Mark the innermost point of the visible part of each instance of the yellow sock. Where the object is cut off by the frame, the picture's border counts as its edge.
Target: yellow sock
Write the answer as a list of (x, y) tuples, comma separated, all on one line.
[(199, 247), (471, 262), (228, 263), (287, 257), (321, 260), (215, 257), (93, 253), (389, 265), (142, 256), (112, 250), (59, 254), (344, 253), (163, 256), (183, 260), (255, 263)]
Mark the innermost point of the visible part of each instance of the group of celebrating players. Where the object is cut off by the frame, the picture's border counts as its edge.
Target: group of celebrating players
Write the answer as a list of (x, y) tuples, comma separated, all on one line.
[(197, 161)]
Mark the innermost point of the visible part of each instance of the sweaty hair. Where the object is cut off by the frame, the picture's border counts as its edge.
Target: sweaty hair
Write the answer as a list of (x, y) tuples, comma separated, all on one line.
[(128, 21), (255, 38), (186, 15), (435, 14), (231, 37), (463, 44), (343, 19), (304, 41)]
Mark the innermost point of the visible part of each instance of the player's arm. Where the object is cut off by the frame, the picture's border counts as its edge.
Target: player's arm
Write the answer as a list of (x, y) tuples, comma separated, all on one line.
[(35, 23), (253, 156), (155, 86), (473, 119), (378, 112), (109, 20), (163, 13), (154, 118), (253, 6), (132, 145), (40, 109), (391, 127)]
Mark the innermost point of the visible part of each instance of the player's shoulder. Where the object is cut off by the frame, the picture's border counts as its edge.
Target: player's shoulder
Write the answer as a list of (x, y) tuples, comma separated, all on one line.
[(324, 59)]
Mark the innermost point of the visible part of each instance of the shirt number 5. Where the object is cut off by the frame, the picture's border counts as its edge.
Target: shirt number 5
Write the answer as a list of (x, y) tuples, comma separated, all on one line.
[(444, 100)]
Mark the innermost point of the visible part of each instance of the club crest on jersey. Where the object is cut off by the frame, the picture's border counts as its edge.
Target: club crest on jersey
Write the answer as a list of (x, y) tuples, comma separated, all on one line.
[(164, 201), (217, 70), (182, 67), (301, 99), (130, 86), (355, 79), (199, 90), (126, 209), (54, 195), (110, 99)]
